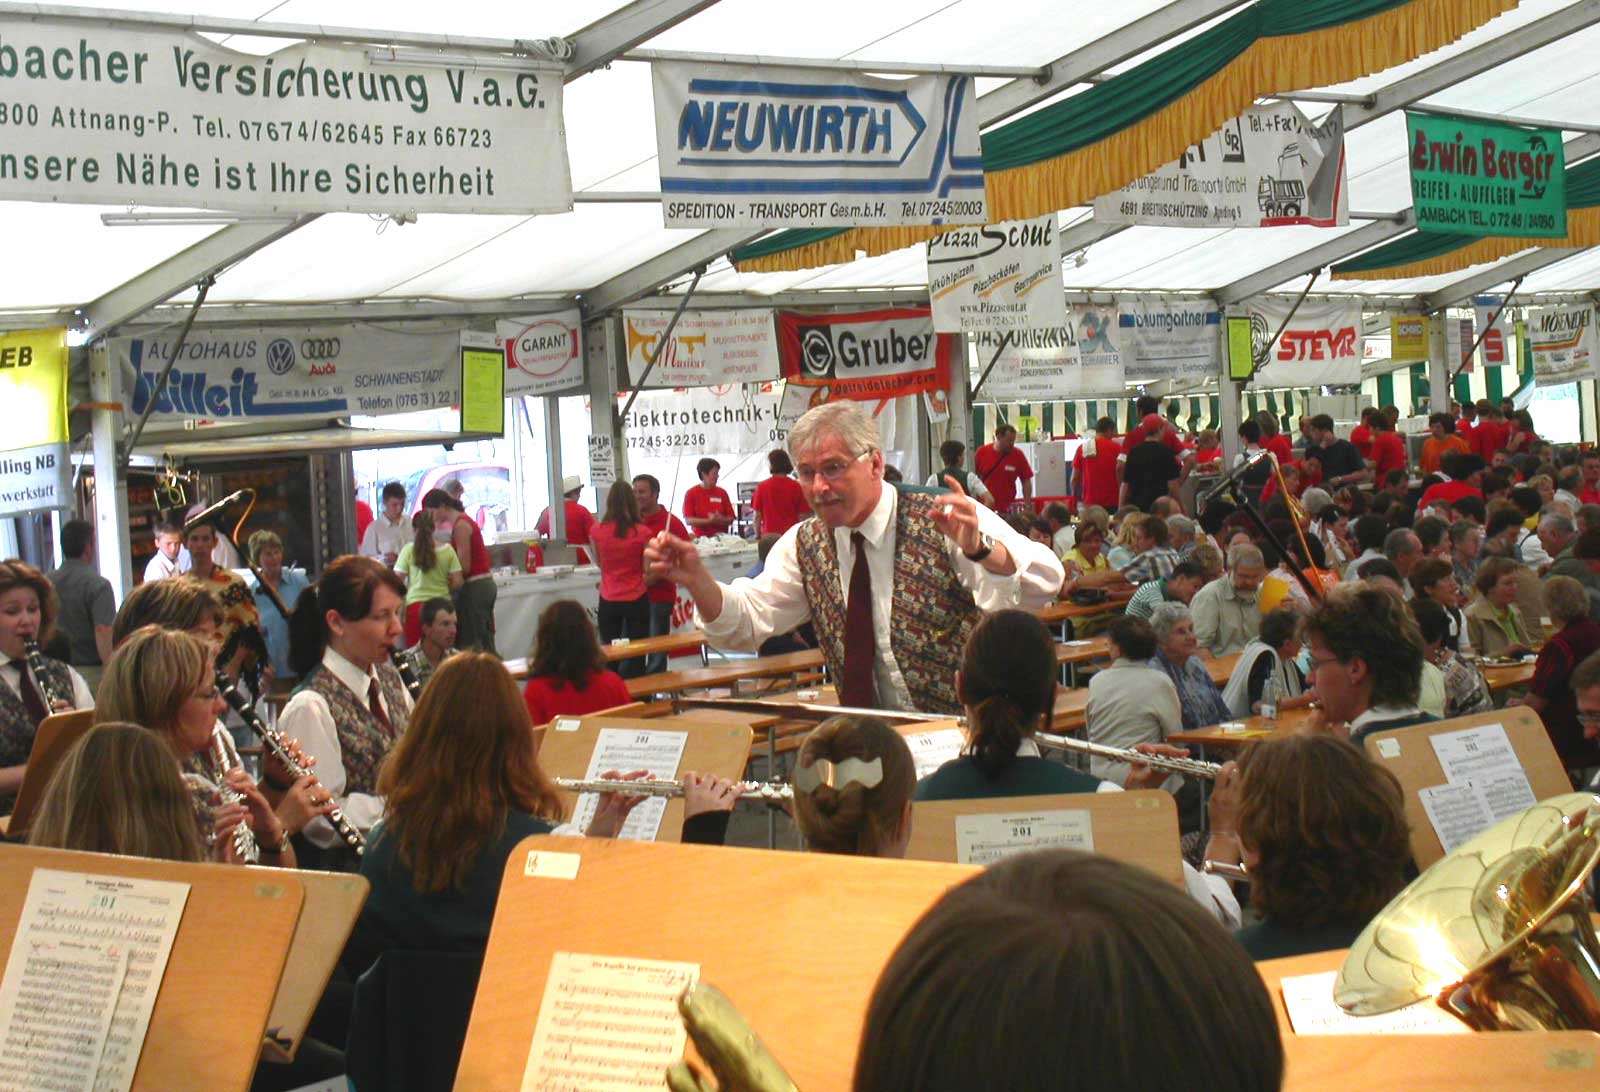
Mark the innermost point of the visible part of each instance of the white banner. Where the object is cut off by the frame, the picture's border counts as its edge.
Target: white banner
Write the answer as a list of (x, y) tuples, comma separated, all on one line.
[(1004, 276), (1042, 366), (1101, 347), (117, 116), (707, 348), (1563, 343), (1266, 168), (1170, 337), (544, 353), (788, 147), (1321, 346), (1497, 348), (33, 479), (741, 418)]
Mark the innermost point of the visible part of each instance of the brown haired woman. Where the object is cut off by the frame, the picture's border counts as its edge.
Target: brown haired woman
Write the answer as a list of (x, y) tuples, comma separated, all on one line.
[(476, 596), (28, 615), (1321, 830), (352, 706), (853, 781), (567, 672), (431, 571), (619, 540)]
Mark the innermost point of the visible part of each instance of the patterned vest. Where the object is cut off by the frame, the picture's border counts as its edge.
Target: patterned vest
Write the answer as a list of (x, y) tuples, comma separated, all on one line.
[(933, 613), (362, 743), (17, 726)]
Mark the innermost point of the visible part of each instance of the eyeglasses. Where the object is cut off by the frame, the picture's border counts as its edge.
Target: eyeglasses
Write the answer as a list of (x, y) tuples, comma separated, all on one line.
[(1317, 661), (1588, 718), (830, 471)]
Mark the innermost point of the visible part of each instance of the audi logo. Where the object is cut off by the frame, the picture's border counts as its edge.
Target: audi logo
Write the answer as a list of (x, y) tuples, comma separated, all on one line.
[(319, 348)]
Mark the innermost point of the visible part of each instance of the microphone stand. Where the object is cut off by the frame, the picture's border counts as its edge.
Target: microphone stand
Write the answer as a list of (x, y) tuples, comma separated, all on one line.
[(1229, 487)]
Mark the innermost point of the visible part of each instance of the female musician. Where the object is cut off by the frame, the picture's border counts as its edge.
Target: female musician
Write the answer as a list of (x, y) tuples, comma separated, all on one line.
[(567, 673), (853, 781), (431, 571), (353, 705), (986, 990), (165, 681), (28, 616), (170, 604)]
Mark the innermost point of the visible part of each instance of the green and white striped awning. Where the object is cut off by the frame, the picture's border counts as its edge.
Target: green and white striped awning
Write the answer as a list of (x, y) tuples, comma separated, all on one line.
[(1076, 418)]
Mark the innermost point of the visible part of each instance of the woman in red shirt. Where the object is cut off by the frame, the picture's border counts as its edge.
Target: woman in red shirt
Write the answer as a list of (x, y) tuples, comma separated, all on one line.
[(707, 509), (779, 502), (619, 541), (567, 673), (1273, 440)]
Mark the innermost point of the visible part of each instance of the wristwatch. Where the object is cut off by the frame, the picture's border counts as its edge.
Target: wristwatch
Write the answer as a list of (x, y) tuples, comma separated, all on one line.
[(985, 548)]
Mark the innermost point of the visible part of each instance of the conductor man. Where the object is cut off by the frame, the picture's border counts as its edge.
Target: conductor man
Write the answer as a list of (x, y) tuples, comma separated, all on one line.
[(893, 582)]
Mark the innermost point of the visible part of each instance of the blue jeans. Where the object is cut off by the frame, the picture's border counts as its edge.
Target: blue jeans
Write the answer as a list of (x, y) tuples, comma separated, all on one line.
[(660, 626)]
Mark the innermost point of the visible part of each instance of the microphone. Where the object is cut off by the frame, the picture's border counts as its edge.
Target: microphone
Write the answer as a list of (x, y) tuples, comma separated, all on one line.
[(205, 514), (1230, 477)]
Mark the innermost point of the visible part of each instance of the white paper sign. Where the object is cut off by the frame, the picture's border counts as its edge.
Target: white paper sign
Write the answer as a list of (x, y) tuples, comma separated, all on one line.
[(602, 463), (706, 348), (544, 353), (1170, 337), (736, 418), (793, 147), (1312, 1011), (1563, 343), (117, 116), (1004, 276), (930, 750), (985, 839), (1320, 346), (33, 479), (626, 750), (1266, 168)]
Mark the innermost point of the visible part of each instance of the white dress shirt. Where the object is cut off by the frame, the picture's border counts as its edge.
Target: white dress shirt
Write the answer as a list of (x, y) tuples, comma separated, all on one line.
[(308, 718), (11, 671), (383, 537), (159, 567), (775, 601)]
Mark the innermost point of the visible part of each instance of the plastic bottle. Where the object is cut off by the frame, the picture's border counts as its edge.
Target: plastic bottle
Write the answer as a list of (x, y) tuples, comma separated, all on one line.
[(1269, 700)]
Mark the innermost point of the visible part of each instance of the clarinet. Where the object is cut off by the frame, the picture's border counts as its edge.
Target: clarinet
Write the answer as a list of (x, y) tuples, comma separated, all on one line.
[(36, 665), (225, 759), (273, 740), (408, 672)]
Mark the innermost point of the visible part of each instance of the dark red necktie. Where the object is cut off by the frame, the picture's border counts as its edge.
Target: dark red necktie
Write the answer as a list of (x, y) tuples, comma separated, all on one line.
[(28, 690), (377, 708), (859, 687)]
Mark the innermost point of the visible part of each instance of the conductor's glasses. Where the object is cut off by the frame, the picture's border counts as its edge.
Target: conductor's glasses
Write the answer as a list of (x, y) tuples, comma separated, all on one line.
[(830, 471)]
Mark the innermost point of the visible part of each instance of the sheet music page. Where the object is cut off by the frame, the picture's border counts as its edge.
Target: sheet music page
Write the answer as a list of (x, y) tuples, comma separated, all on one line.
[(84, 1018), (1458, 813), (1312, 1010), (1476, 754), (626, 750), (930, 750), (985, 839), (607, 1024)]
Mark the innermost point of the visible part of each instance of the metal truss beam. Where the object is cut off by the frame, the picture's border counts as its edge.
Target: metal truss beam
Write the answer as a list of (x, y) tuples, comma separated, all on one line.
[(1496, 274), (613, 34)]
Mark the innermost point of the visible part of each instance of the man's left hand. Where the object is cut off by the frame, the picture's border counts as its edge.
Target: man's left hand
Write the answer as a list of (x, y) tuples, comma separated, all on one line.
[(956, 516)]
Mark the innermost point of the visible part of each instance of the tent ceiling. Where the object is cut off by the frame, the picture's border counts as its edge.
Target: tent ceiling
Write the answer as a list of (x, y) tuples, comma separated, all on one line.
[(611, 141)]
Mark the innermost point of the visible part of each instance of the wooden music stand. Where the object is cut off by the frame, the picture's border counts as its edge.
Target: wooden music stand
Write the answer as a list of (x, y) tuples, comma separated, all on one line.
[(1137, 828), (333, 901), (722, 749), (1417, 767), (212, 1009), (56, 733), (806, 997)]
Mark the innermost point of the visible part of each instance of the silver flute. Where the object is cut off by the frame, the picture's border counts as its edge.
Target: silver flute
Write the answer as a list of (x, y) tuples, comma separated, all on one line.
[(748, 790), (1189, 767), (224, 759), (35, 658), (408, 671), (274, 741)]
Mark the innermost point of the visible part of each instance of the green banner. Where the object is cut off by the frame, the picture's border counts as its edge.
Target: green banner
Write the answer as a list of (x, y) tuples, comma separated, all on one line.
[(1485, 178)]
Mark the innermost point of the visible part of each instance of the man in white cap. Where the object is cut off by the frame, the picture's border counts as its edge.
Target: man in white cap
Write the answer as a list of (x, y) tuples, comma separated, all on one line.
[(579, 518), (893, 582)]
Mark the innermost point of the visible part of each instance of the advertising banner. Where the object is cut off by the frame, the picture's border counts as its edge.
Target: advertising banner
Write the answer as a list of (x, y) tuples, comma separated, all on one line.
[(737, 418), (1496, 346), (1043, 366), (1004, 276), (866, 355), (1563, 344), (118, 116), (777, 147), (1408, 337), (1169, 337), (1322, 345), (544, 353), (1266, 168), (35, 472), (1482, 178), (1101, 348), (707, 348)]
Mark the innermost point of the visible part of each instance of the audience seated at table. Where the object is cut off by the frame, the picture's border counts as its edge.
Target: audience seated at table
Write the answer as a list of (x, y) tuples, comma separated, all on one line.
[(1271, 655), (1178, 586), (853, 779), (1227, 613), (1200, 702), (1434, 578), (1450, 685), (1058, 971), (1086, 563), (1550, 693), (567, 673), (1495, 624), (1131, 701), (1366, 660), (1153, 558)]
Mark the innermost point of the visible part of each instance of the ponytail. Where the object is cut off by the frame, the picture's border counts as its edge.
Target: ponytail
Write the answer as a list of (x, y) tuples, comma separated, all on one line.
[(308, 633), (996, 726), (424, 556)]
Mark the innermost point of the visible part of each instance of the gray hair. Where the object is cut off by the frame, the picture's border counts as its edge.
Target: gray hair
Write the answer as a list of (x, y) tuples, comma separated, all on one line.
[(1245, 556), (1401, 542), (1315, 500), (1460, 529), (844, 419), (1181, 527), (1557, 522), (1566, 599), (1166, 617)]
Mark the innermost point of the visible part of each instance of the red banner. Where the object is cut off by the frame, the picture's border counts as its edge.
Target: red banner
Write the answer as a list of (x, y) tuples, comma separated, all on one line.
[(866, 355)]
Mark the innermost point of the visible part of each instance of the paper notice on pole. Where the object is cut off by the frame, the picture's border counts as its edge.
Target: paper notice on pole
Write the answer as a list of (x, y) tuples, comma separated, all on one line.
[(985, 839), (82, 979), (930, 750), (607, 1024), (1309, 1001), (626, 750)]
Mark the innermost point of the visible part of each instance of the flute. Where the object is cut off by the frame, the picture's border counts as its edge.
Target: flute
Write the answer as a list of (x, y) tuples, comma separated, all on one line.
[(30, 648), (752, 790), (273, 740), (408, 672), (1189, 767)]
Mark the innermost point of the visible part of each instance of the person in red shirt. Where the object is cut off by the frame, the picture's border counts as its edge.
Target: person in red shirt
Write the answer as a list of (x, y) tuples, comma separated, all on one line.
[(364, 517), (1490, 435), (1096, 467), (663, 594), (1207, 450), (1003, 469), (1273, 440), (1388, 450), (1590, 493), (1466, 480), (1361, 435), (567, 674), (619, 542), (779, 502), (1520, 434), (1466, 418), (580, 521), (706, 508)]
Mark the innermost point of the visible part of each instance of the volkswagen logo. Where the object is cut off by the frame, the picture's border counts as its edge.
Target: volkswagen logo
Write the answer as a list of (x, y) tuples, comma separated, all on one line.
[(816, 351), (319, 348), (280, 356)]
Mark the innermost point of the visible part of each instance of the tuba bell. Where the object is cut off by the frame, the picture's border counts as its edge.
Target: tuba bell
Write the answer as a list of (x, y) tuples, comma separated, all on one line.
[(1498, 933)]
